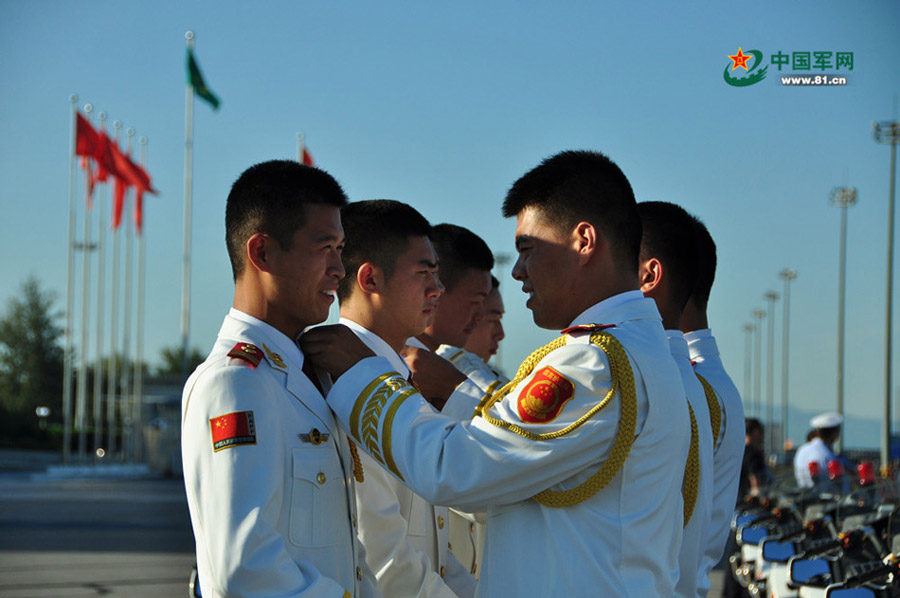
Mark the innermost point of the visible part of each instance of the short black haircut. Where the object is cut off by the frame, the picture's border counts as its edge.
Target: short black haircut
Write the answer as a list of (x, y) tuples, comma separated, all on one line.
[(668, 235), (271, 198), (459, 250), (752, 425), (704, 263), (377, 231), (575, 186)]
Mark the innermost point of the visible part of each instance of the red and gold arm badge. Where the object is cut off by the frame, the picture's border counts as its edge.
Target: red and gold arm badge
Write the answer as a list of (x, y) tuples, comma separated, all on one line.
[(542, 400), (232, 429)]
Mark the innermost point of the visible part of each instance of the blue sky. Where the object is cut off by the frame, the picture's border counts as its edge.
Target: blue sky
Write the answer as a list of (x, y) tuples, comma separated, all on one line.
[(444, 105)]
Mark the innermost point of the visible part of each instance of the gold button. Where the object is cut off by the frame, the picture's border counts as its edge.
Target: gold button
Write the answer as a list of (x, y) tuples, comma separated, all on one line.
[(443, 571), (472, 528), (321, 478), (358, 573), (440, 522)]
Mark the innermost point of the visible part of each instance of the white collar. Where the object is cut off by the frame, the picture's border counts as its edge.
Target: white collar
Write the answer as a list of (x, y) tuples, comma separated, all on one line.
[(593, 313), (378, 345), (696, 335), (284, 346)]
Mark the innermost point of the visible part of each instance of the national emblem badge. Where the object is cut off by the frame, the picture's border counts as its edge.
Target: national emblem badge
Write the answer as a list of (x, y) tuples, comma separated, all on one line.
[(542, 400)]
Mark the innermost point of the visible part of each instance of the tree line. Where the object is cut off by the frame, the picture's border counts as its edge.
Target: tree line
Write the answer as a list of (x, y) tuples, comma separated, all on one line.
[(31, 368)]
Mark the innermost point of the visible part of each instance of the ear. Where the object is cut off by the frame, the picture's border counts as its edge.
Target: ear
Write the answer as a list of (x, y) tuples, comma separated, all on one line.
[(369, 278), (586, 240), (259, 251), (650, 274)]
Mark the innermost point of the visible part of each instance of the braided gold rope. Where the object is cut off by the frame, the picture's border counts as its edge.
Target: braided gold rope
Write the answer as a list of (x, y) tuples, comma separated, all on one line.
[(357, 464), (690, 484), (715, 410), (622, 379)]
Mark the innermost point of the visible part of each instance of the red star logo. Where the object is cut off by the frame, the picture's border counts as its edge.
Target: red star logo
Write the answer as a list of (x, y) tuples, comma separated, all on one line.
[(740, 59)]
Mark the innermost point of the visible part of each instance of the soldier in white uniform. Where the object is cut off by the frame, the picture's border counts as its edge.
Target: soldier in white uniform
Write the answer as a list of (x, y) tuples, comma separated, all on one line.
[(574, 462), (467, 529), (268, 474), (666, 276), (728, 452), (391, 294), (827, 427)]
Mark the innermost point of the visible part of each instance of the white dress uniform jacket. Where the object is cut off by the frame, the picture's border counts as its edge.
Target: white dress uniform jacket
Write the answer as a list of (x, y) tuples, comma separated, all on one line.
[(406, 538), (694, 582), (729, 452), (473, 367), (813, 451), (467, 529), (624, 539), (271, 503)]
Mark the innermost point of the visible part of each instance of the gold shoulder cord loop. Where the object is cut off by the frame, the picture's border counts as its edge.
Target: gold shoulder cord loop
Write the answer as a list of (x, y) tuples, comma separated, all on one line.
[(691, 482), (622, 379), (357, 463), (715, 410)]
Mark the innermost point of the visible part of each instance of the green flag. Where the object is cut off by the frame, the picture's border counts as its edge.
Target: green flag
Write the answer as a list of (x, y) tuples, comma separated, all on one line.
[(195, 79)]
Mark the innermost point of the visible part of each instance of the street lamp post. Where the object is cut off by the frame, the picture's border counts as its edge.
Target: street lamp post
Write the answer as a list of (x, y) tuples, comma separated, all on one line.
[(787, 275), (771, 297), (843, 197), (759, 314), (888, 132), (748, 351)]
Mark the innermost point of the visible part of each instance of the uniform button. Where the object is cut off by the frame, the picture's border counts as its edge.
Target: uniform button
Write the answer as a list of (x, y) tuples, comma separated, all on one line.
[(358, 573), (472, 528), (443, 572), (321, 478), (440, 522)]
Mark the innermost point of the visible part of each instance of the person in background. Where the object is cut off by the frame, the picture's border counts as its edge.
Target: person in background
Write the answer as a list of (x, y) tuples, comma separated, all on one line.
[(827, 427), (389, 295), (728, 449), (666, 275)]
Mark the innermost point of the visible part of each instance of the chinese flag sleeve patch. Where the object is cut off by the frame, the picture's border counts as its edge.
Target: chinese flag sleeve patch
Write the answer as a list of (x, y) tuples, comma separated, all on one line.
[(542, 400), (232, 429)]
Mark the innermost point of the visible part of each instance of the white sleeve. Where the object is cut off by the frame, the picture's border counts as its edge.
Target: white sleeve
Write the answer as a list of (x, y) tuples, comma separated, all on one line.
[(469, 464)]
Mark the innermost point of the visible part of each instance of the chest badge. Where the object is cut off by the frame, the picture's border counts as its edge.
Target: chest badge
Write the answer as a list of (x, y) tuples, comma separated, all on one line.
[(274, 357), (542, 400)]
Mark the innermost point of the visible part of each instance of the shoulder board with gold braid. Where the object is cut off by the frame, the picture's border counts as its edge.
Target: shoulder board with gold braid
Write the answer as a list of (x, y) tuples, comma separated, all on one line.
[(715, 410), (622, 380), (247, 352), (691, 482)]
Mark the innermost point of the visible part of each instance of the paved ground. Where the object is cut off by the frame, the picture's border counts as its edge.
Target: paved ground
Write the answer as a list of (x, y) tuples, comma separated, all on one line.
[(91, 537)]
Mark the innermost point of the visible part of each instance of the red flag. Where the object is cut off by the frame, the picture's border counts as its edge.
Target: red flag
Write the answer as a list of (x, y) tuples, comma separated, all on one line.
[(128, 174), (307, 158), (86, 137)]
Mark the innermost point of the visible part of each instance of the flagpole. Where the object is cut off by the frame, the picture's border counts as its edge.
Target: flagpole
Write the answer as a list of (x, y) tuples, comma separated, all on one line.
[(70, 289), (81, 391), (300, 141), (188, 182), (126, 316), (98, 368), (139, 351), (112, 383)]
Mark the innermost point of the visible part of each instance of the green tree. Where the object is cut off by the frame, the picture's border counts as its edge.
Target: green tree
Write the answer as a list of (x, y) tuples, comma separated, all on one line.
[(31, 359), (171, 361)]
